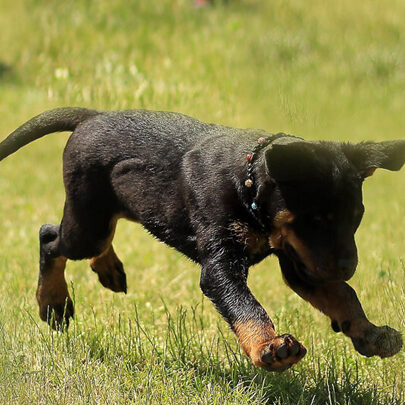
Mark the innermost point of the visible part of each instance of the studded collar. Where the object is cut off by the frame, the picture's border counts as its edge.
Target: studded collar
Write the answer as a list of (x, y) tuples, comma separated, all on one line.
[(249, 183)]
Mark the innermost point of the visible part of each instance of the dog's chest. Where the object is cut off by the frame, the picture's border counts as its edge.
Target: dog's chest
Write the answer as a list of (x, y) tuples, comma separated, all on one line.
[(255, 243)]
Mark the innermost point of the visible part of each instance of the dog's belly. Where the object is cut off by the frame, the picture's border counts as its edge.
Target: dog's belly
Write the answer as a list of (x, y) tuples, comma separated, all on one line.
[(152, 195)]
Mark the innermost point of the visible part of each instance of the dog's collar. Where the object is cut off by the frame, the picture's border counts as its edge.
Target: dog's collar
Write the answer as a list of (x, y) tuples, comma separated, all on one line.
[(249, 183)]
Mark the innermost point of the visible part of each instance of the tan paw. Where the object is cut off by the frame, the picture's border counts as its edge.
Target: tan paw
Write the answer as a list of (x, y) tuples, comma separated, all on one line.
[(279, 354), (110, 271)]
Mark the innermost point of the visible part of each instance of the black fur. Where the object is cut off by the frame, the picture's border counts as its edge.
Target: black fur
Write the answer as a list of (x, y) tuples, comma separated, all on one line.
[(184, 181)]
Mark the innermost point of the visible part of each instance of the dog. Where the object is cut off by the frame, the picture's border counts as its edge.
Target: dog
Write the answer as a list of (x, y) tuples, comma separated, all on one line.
[(226, 198)]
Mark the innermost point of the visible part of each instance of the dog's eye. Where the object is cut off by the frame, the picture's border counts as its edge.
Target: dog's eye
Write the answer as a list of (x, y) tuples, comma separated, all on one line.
[(324, 218)]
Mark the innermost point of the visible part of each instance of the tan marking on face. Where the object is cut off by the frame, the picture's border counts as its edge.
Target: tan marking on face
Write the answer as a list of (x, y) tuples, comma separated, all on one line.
[(283, 233), (281, 220), (252, 240), (302, 251)]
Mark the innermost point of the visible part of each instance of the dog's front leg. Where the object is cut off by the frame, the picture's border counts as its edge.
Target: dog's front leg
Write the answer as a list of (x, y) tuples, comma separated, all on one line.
[(224, 281), (339, 301)]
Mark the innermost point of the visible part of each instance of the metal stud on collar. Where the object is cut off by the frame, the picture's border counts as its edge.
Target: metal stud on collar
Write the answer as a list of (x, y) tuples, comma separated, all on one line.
[(261, 143), (249, 182)]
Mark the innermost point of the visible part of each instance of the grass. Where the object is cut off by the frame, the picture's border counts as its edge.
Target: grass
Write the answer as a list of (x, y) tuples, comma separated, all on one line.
[(332, 71)]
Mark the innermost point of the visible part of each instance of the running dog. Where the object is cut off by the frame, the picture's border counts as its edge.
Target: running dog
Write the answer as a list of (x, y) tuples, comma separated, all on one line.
[(226, 198)]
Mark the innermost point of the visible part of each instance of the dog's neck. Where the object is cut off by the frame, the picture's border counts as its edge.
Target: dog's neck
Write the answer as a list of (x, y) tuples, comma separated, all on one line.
[(251, 186)]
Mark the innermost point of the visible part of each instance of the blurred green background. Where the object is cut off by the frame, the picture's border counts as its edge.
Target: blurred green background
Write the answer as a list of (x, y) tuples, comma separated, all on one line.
[(316, 69)]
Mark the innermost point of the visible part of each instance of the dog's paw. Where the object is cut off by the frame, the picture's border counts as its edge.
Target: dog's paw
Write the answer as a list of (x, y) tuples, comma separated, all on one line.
[(114, 279), (110, 273), (380, 341), (57, 314), (280, 353)]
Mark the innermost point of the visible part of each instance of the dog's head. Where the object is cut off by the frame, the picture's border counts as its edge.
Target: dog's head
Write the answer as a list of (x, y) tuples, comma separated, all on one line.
[(317, 203)]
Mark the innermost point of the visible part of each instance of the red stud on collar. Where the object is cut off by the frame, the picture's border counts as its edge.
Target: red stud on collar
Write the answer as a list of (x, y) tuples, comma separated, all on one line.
[(249, 157)]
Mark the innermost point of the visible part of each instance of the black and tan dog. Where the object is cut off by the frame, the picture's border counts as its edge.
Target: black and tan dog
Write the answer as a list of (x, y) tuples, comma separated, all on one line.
[(226, 198)]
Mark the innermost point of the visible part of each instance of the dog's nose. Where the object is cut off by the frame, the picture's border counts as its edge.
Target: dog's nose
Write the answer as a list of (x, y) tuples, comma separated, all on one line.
[(347, 267)]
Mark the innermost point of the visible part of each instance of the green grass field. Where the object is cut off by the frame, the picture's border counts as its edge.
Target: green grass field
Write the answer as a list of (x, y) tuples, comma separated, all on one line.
[(320, 70)]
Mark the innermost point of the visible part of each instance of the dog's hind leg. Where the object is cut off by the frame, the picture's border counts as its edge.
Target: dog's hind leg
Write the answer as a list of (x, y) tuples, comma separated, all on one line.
[(83, 234), (89, 236), (109, 268), (55, 304)]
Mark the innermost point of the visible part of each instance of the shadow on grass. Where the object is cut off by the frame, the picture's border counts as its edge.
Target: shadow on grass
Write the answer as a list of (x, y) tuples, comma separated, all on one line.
[(192, 356), (186, 350), (294, 387)]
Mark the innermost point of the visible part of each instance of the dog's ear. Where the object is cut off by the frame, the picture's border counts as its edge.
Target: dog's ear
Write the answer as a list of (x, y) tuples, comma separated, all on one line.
[(292, 162), (369, 156)]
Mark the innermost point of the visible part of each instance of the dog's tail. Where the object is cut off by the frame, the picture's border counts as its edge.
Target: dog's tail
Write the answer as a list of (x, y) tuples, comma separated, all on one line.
[(57, 120)]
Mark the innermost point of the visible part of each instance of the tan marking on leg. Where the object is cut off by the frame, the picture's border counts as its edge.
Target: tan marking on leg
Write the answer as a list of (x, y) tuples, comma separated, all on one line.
[(252, 335), (109, 270), (52, 292), (108, 241), (103, 263), (339, 301), (108, 266), (267, 350)]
